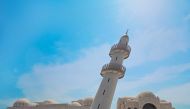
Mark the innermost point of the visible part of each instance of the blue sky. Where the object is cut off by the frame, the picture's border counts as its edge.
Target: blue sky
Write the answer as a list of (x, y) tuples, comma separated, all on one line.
[(54, 49)]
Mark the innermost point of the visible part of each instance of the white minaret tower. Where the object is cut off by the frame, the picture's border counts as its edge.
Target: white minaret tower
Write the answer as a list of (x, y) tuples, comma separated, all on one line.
[(111, 73)]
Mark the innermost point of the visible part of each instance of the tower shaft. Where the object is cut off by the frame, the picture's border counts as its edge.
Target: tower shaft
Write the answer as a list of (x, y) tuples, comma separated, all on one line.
[(111, 73), (105, 93)]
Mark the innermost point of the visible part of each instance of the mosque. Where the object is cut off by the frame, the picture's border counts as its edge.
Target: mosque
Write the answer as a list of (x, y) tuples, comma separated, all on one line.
[(111, 73)]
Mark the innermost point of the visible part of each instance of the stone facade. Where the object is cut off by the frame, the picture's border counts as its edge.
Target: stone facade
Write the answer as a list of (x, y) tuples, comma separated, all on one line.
[(145, 100), (50, 104)]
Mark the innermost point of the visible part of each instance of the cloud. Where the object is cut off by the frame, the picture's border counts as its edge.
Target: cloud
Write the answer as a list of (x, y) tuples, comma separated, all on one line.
[(177, 94), (65, 81), (143, 11), (68, 81), (72, 80), (150, 45), (159, 76), (6, 102), (154, 36)]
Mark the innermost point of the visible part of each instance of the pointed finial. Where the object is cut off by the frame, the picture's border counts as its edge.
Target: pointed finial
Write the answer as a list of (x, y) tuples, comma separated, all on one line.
[(127, 31)]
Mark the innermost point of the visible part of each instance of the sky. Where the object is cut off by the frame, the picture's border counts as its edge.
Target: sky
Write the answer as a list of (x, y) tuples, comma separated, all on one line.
[(55, 49)]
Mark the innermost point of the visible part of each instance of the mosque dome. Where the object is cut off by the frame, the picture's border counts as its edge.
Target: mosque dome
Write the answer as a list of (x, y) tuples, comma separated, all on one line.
[(146, 94), (88, 101), (75, 103), (49, 102), (21, 102), (124, 39), (125, 36)]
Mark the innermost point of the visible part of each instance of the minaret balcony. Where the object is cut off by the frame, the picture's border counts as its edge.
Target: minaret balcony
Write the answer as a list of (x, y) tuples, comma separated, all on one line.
[(113, 68), (120, 48)]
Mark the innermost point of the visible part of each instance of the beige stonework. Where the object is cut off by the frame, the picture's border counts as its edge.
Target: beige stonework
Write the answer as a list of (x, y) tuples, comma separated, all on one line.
[(50, 104), (145, 100)]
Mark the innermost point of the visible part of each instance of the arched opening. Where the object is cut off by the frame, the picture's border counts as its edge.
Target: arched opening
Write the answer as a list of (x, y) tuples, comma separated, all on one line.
[(149, 106)]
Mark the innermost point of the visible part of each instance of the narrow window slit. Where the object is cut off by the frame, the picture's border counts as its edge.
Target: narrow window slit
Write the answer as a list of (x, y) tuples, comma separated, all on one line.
[(108, 79), (98, 106), (104, 92)]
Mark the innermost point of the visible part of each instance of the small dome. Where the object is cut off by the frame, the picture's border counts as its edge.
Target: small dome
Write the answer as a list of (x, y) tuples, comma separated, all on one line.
[(124, 38), (146, 94), (21, 102), (88, 101), (49, 102), (129, 98), (75, 103)]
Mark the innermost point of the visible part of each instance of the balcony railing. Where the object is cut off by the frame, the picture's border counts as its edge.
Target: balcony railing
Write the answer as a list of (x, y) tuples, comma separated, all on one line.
[(114, 68), (126, 49), (121, 47)]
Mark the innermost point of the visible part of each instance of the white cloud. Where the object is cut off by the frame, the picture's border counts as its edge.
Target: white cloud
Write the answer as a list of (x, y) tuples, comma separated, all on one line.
[(153, 37), (6, 102), (161, 75), (156, 44), (143, 11), (62, 81), (177, 94)]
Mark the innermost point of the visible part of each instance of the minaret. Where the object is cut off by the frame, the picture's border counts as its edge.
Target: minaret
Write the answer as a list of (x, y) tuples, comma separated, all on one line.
[(111, 73)]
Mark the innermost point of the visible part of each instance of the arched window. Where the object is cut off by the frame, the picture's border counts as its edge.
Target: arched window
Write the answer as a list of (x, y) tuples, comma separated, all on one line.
[(149, 106)]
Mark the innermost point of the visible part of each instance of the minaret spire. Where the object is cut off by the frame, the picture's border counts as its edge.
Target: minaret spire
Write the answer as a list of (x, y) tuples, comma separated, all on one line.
[(127, 31), (111, 73)]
